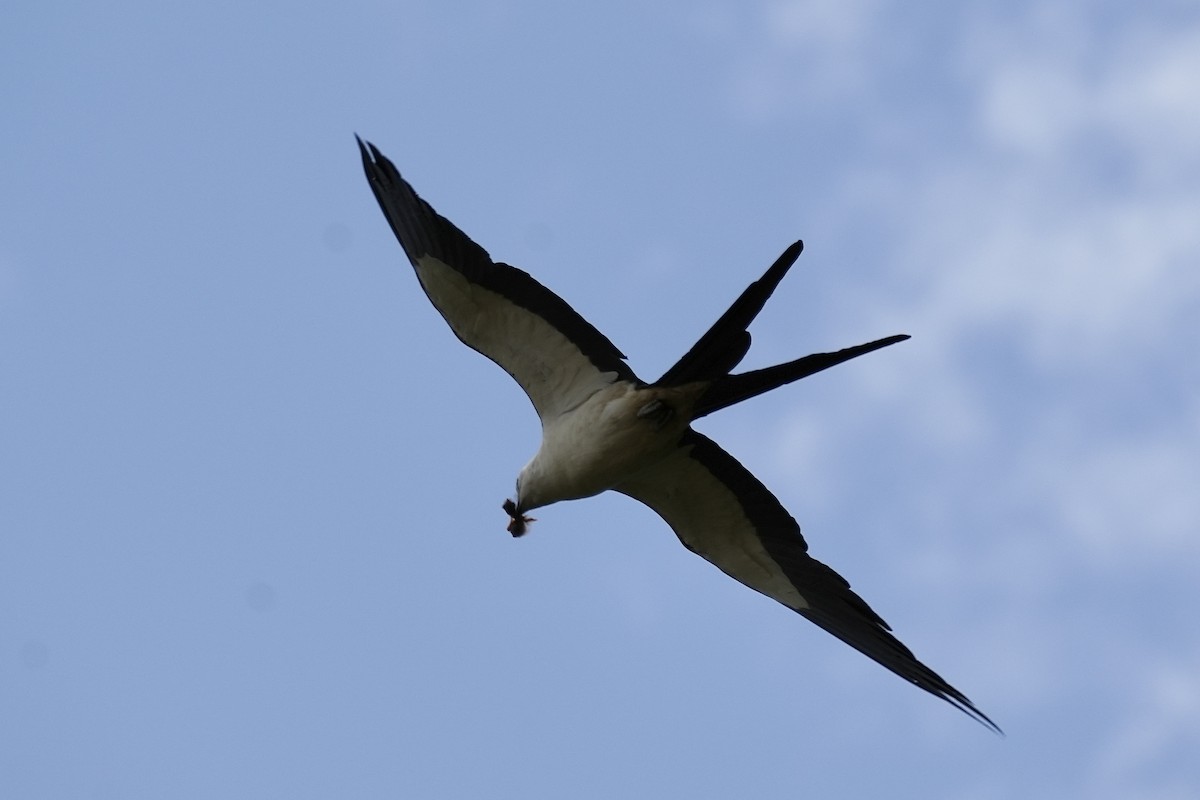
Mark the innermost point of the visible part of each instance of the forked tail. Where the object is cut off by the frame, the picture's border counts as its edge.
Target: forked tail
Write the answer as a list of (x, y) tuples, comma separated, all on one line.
[(730, 389), (723, 346)]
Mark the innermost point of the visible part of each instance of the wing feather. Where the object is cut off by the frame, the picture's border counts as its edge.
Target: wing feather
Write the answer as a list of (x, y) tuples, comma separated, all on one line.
[(556, 356), (720, 511)]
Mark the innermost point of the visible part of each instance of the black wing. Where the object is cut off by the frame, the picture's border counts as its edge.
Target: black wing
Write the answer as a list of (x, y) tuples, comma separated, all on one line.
[(723, 513), (557, 356)]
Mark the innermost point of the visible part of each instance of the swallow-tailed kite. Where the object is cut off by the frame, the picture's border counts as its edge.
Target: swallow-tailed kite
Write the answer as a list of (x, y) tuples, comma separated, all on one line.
[(604, 428)]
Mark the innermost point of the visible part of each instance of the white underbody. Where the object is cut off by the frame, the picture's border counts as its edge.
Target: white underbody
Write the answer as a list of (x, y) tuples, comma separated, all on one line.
[(601, 442)]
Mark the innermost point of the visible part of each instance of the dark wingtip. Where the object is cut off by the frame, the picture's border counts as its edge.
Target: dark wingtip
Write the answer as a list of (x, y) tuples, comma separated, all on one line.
[(984, 720), (367, 151), (967, 707), (370, 153), (938, 687)]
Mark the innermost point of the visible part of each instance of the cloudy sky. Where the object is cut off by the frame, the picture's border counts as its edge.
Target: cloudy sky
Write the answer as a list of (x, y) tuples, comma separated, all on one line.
[(251, 543)]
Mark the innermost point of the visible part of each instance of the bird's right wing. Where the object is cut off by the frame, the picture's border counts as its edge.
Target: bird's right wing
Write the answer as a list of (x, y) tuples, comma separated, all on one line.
[(557, 356), (722, 512)]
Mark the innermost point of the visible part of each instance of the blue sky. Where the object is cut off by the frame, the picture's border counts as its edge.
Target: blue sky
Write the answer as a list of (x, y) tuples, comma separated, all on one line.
[(251, 543)]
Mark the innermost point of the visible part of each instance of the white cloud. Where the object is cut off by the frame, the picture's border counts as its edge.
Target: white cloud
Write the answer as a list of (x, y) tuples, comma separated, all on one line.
[(1025, 242), (1091, 275), (1052, 81), (1087, 240), (1073, 276), (1045, 254), (1065, 211)]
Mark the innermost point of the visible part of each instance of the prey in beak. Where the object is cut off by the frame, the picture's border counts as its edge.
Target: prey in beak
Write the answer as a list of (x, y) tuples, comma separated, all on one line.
[(519, 522)]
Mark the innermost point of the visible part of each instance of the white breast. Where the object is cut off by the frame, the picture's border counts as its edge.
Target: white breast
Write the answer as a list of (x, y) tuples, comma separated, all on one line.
[(598, 444)]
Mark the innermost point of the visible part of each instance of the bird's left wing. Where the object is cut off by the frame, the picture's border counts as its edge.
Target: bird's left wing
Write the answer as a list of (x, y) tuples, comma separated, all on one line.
[(722, 512), (557, 356)]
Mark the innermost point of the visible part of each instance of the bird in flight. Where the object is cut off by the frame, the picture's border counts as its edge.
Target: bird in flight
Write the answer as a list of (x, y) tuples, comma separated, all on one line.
[(604, 428)]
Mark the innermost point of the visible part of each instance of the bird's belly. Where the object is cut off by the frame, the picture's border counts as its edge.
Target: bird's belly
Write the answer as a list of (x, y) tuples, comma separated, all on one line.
[(605, 441)]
